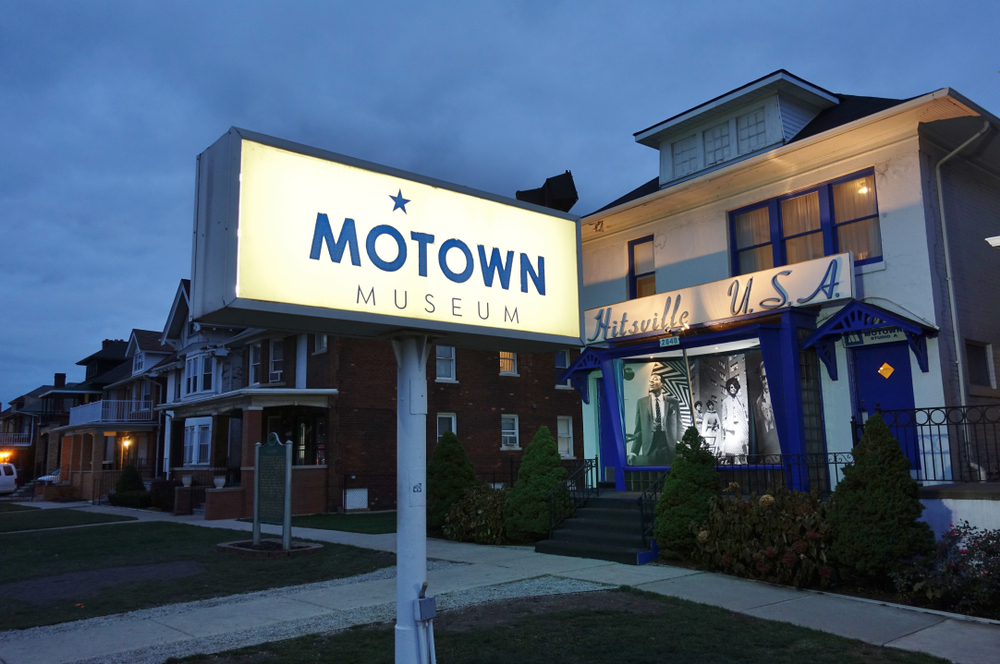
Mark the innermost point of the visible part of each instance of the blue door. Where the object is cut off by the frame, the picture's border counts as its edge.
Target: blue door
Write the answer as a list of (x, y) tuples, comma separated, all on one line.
[(882, 379)]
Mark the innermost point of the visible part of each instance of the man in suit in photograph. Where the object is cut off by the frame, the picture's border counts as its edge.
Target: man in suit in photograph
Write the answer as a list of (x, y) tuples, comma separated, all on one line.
[(657, 427)]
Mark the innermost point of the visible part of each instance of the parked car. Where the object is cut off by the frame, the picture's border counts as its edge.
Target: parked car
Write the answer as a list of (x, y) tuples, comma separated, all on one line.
[(51, 478), (8, 478)]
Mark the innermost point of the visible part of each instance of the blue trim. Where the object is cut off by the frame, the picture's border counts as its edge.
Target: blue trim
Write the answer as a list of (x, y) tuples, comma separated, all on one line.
[(858, 316), (632, 276)]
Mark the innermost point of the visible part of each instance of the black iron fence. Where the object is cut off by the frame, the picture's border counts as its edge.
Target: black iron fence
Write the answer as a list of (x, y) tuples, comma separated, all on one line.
[(647, 507), (575, 490), (497, 474), (948, 443), (105, 480)]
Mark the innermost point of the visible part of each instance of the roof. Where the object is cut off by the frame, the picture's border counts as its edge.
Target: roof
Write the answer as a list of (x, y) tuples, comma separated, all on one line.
[(112, 349), (178, 315), (850, 108), (780, 81), (149, 340)]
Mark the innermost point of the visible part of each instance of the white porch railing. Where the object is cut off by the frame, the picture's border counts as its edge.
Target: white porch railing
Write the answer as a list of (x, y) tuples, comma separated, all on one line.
[(110, 410), (15, 439)]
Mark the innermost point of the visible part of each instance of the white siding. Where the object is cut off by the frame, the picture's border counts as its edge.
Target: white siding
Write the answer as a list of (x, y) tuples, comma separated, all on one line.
[(793, 117)]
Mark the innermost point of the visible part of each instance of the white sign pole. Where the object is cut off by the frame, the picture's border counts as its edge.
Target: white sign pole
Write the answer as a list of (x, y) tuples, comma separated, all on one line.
[(411, 489)]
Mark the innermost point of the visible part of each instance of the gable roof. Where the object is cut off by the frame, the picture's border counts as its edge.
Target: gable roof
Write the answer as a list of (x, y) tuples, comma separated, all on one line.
[(178, 315), (147, 341), (111, 349)]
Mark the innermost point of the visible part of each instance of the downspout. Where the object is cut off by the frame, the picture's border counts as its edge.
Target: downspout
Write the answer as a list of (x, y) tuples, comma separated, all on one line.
[(959, 366)]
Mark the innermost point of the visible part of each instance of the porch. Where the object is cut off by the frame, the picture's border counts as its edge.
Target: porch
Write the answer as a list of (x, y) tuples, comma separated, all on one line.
[(112, 411)]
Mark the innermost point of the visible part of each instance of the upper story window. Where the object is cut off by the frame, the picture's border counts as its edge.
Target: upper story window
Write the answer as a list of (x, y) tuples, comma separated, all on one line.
[(508, 363), (562, 364), (137, 362), (320, 344), (276, 361), (641, 268), (255, 363), (191, 375), (832, 218), (445, 362), (207, 371)]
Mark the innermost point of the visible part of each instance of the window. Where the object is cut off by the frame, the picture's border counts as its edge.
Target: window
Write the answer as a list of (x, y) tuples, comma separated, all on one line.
[(191, 375), (508, 432), (446, 422), (276, 360), (752, 131), (178, 379), (197, 440), (445, 363), (641, 268), (137, 362), (562, 364), (685, 156), (716, 144), (207, 369), (564, 436), (254, 364), (320, 344), (980, 361), (835, 217), (508, 363)]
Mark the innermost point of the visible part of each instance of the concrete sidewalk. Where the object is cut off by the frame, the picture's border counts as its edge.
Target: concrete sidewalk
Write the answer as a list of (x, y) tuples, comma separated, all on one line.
[(230, 622)]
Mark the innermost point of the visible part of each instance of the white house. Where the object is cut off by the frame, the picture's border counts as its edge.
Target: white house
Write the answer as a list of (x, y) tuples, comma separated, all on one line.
[(802, 258)]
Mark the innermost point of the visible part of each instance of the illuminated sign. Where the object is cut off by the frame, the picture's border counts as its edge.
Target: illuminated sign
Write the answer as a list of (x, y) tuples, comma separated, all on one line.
[(809, 283), (291, 237)]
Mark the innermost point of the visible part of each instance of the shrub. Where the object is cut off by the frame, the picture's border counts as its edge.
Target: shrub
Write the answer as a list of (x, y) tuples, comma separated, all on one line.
[(540, 473), (449, 475), (137, 499), (687, 491), (874, 509), (781, 537), (129, 480), (962, 573), (161, 494), (478, 517)]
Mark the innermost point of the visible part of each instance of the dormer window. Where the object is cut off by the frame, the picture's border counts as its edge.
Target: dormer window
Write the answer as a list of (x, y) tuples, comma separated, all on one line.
[(717, 144), (752, 129), (137, 362), (685, 156)]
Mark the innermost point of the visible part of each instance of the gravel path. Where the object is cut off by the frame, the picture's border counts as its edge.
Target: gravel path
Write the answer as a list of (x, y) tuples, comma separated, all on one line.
[(335, 620)]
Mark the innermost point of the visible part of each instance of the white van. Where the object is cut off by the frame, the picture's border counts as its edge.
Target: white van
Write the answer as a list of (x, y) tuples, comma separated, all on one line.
[(8, 478)]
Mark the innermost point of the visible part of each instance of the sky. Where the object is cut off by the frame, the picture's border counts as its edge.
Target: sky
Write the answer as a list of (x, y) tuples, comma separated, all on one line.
[(104, 107)]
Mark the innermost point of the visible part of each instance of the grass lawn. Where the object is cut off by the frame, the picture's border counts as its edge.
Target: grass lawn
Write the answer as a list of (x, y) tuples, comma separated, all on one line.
[(638, 628), (378, 523), (36, 519), (87, 557), (14, 507)]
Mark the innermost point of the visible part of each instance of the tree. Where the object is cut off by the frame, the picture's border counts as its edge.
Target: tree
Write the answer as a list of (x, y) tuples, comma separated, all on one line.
[(540, 473), (874, 509), (449, 475), (129, 480), (687, 492)]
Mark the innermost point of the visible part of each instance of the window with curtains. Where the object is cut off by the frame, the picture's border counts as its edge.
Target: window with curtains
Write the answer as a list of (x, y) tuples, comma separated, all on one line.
[(641, 268), (832, 218)]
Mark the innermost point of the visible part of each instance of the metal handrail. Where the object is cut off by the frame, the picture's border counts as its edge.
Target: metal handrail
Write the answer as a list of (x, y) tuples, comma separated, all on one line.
[(647, 507), (578, 496)]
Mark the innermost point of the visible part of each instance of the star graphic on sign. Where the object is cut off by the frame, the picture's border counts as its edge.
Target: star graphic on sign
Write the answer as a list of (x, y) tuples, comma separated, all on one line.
[(400, 202)]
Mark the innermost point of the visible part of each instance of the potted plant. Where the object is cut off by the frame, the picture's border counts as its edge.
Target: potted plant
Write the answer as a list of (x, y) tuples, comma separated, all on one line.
[(219, 481)]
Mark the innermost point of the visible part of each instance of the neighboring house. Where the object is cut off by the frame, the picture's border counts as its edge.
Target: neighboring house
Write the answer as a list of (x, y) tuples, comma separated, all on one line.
[(25, 428), (757, 191), (115, 423), (334, 398)]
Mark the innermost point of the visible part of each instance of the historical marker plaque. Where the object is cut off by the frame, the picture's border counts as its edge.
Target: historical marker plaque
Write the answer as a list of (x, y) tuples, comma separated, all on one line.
[(272, 488)]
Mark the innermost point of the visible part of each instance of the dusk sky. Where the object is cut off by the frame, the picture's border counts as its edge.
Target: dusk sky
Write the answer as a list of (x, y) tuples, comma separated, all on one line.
[(105, 105)]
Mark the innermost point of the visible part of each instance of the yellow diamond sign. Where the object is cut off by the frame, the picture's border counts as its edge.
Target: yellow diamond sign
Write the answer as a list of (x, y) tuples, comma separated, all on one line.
[(885, 370)]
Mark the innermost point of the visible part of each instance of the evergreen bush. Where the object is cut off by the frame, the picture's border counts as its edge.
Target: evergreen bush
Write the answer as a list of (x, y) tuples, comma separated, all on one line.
[(478, 517), (875, 507), (687, 491), (449, 475), (129, 480), (541, 472), (161, 494), (137, 499)]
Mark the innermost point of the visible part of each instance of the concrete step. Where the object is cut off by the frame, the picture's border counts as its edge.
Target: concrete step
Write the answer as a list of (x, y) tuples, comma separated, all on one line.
[(623, 504), (628, 539), (617, 554), (608, 525)]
